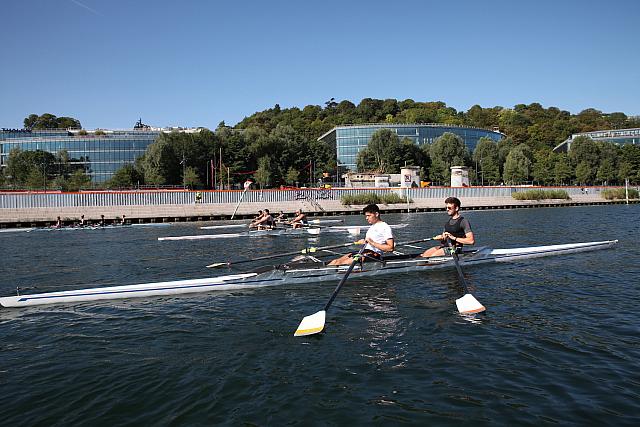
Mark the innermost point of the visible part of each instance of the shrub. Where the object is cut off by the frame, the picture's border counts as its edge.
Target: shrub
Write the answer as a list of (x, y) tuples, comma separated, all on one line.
[(360, 199), (391, 198), (372, 198), (619, 193), (540, 195)]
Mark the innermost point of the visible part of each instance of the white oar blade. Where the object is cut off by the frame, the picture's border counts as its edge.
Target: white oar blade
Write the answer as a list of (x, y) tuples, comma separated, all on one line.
[(468, 304), (311, 324), (217, 264), (354, 231), (314, 231)]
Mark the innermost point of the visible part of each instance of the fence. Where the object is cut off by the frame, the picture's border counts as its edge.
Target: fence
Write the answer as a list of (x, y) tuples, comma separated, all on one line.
[(27, 200)]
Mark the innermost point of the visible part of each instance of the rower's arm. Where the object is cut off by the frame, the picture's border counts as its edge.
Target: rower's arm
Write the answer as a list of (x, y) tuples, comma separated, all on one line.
[(388, 246), (468, 238)]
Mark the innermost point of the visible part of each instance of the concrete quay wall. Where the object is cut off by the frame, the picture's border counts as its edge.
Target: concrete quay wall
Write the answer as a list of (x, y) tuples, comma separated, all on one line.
[(35, 217)]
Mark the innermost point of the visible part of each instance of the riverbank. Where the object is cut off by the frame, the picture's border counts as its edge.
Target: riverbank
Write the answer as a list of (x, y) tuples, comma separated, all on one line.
[(46, 216)]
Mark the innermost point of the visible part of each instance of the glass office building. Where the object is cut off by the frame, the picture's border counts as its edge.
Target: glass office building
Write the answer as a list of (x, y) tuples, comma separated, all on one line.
[(350, 140), (101, 153), (615, 136)]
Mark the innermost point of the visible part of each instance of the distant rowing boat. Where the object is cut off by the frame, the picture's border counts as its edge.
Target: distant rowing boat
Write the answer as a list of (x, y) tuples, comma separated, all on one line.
[(300, 272), (311, 222), (277, 232), (100, 227)]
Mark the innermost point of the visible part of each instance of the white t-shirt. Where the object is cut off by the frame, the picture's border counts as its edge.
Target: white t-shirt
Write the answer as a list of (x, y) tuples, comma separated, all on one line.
[(379, 232)]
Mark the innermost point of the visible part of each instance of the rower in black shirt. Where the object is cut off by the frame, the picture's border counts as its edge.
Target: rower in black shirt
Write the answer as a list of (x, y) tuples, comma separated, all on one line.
[(457, 229)]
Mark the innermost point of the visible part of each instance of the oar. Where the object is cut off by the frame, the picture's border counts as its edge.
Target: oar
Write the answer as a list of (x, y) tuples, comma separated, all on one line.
[(467, 304), (314, 323), (303, 252), (246, 187)]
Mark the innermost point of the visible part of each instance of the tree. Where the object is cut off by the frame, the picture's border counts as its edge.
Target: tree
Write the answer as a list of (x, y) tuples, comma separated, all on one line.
[(191, 179), (292, 176), (78, 180), (517, 166), (562, 170), (585, 150), (127, 176), (50, 121), (160, 164), (446, 151), (486, 158), (382, 154), (543, 166), (606, 172), (32, 168), (584, 173), (263, 173)]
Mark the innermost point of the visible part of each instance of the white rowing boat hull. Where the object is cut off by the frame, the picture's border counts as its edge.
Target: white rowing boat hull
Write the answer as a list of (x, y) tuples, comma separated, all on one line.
[(296, 273), (276, 232)]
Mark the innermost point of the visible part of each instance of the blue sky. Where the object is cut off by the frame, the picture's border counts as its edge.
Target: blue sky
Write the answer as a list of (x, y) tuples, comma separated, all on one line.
[(196, 62)]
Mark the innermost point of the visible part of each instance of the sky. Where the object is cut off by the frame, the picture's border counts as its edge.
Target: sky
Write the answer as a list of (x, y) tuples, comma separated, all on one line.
[(193, 63)]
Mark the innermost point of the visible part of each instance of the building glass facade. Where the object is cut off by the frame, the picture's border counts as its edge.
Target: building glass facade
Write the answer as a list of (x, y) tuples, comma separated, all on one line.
[(100, 153), (350, 140), (614, 136)]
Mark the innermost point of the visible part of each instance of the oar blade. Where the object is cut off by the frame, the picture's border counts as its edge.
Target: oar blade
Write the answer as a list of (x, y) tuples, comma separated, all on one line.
[(312, 324), (313, 231), (354, 231), (468, 304), (218, 264)]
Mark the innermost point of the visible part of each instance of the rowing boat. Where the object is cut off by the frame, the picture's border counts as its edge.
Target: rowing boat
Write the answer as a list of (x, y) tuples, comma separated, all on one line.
[(309, 270), (310, 222), (355, 230)]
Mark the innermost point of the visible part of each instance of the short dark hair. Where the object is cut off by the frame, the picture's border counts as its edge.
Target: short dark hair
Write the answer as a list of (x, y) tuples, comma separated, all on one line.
[(373, 208), (453, 201)]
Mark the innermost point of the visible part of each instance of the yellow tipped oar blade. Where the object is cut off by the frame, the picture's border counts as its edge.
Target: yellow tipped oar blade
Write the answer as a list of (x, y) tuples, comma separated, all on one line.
[(312, 324), (468, 304)]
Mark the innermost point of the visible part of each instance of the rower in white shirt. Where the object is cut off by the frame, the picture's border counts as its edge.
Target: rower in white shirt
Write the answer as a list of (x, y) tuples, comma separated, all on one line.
[(378, 240)]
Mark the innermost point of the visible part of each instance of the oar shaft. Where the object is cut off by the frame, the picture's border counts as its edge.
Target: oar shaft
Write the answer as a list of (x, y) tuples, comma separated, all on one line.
[(344, 279), (456, 261), (239, 201)]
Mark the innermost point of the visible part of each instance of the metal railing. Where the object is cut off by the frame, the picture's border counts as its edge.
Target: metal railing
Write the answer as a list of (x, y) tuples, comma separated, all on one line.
[(28, 200)]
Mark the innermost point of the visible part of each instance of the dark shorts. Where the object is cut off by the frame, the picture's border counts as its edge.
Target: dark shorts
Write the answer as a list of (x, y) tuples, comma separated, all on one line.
[(446, 248), (368, 254)]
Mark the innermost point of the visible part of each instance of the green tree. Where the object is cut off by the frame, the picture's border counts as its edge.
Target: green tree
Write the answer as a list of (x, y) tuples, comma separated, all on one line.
[(446, 151), (292, 176), (606, 172), (562, 170), (77, 180), (486, 158), (382, 154), (32, 168), (191, 179), (584, 173), (517, 166), (263, 173), (585, 150), (127, 176), (160, 164), (50, 121), (543, 167)]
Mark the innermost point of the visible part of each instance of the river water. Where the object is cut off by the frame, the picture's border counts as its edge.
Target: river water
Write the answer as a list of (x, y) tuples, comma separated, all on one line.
[(558, 344)]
